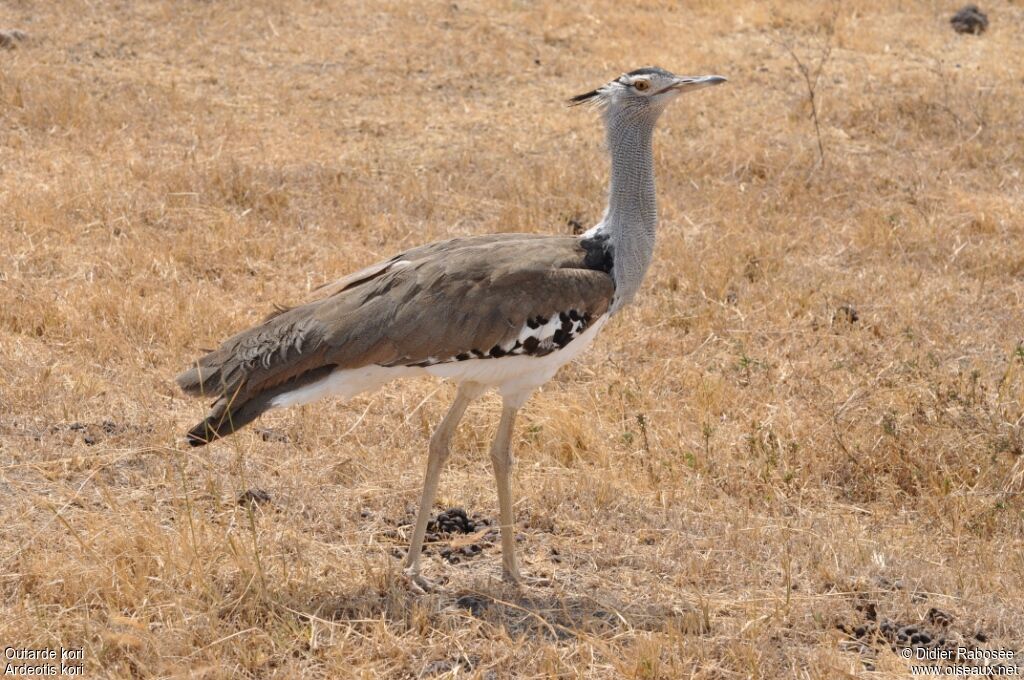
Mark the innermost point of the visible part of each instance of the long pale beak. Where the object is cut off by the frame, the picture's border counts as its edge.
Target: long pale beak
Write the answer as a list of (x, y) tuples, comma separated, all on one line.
[(687, 83)]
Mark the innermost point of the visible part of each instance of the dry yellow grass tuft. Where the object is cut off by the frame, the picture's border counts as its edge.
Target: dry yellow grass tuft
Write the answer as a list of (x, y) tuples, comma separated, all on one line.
[(812, 417)]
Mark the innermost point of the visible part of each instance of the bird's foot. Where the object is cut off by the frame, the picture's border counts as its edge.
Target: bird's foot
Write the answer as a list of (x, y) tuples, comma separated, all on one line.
[(515, 578), (418, 583)]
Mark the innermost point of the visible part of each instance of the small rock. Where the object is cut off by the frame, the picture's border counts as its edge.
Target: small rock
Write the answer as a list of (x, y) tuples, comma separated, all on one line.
[(9, 39), (269, 435), (846, 314), (969, 19), (445, 666)]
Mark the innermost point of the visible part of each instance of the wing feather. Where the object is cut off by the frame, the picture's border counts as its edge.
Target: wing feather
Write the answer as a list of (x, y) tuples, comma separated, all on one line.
[(449, 298)]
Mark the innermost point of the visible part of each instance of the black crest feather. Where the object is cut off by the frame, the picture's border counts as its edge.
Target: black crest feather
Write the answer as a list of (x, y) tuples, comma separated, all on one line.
[(583, 98)]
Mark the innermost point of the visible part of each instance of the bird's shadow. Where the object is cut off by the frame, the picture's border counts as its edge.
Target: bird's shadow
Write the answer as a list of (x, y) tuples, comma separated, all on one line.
[(535, 612)]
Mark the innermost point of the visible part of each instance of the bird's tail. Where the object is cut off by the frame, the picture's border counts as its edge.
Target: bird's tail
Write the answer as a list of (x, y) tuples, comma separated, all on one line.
[(231, 412)]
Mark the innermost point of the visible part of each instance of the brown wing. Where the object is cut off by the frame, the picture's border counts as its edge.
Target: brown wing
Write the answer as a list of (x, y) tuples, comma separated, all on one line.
[(439, 301)]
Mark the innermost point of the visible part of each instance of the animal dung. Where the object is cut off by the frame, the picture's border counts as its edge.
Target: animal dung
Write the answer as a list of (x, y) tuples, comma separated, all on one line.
[(255, 495), (969, 19), (452, 521), (456, 521)]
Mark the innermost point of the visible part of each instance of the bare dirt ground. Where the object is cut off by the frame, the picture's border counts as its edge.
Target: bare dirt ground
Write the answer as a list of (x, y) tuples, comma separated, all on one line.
[(805, 437)]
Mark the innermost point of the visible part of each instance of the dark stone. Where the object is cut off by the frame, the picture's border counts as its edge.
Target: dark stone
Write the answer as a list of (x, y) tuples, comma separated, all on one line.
[(969, 19)]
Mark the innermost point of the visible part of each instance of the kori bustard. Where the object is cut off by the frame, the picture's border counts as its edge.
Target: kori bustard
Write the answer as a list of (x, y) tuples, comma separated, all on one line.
[(500, 311)]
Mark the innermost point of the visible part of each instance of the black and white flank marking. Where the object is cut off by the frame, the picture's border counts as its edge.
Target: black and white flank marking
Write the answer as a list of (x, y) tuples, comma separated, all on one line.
[(538, 337)]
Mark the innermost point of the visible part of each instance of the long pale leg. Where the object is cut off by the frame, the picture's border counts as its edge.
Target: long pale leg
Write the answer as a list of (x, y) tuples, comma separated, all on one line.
[(438, 453), (501, 458)]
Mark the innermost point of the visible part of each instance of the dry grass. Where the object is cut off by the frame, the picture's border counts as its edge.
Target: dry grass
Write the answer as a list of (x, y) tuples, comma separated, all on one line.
[(733, 470)]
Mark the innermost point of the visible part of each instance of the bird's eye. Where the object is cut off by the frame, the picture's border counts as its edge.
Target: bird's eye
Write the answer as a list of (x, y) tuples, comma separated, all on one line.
[(641, 85)]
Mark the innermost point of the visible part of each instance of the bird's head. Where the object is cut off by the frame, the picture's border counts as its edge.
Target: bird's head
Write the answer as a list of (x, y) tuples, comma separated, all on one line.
[(643, 91)]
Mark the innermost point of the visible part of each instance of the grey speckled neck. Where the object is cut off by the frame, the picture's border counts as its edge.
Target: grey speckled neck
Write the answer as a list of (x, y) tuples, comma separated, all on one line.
[(631, 218)]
